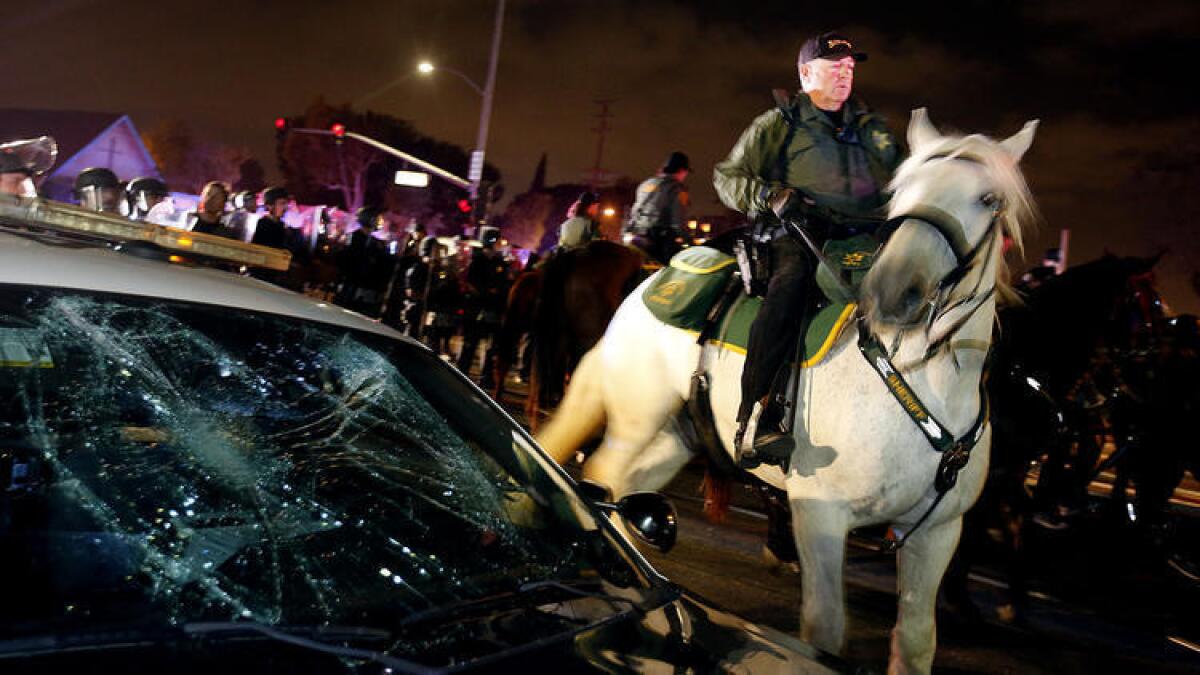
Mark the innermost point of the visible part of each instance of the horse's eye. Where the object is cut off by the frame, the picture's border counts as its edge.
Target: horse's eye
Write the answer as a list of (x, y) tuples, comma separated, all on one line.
[(989, 199)]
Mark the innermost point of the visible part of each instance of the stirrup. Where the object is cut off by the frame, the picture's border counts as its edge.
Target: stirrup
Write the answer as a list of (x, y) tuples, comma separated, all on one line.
[(772, 447)]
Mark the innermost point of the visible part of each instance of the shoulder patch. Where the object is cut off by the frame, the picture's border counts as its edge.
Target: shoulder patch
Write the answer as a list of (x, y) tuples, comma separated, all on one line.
[(881, 139)]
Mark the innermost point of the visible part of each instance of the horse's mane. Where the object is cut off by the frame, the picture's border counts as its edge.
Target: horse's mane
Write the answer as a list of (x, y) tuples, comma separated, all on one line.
[(1019, 212)]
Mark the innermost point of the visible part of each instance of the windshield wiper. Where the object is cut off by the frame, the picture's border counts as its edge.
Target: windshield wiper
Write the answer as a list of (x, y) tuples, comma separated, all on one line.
[(302, 636), (521, 594)]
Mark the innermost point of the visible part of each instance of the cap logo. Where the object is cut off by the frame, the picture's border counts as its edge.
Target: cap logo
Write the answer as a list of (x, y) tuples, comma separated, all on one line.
[(830, 44)]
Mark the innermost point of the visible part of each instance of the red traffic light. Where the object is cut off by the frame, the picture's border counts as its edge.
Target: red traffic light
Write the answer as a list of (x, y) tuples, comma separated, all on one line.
[(464, 205), (280, 123), (338, 130)]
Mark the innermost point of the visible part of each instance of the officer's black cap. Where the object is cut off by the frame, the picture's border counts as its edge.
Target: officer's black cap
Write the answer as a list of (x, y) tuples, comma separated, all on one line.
[(831, 46), (676, 162)]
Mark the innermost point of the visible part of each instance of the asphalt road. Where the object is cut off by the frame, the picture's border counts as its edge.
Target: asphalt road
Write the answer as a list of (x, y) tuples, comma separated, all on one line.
[(724, 564), (1098, 600)]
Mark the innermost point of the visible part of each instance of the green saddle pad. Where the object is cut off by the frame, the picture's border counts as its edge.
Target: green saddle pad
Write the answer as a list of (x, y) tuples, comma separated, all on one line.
[(847, 260), (682, 293), (820, 333)]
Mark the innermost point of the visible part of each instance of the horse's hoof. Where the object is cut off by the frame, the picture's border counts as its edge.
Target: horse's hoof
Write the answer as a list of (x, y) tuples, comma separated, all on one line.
[(777, 566)]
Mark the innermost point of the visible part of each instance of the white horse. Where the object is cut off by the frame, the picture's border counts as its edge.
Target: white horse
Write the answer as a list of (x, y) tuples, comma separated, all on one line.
[(860, 459)]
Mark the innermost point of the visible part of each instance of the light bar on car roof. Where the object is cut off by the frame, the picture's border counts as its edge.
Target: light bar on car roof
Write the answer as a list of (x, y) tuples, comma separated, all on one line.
[(69, 219)]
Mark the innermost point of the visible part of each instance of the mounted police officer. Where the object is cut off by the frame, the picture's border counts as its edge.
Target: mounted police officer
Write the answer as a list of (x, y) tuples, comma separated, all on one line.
[(659, 210), (580, 226), (21, 160), (821, 160)]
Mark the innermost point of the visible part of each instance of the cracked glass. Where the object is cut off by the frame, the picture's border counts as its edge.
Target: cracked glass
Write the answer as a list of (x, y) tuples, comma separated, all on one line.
[(167, 463)]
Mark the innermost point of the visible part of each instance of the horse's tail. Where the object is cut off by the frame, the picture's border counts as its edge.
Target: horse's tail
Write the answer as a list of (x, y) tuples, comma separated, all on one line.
[(718, 493), (581, 414)]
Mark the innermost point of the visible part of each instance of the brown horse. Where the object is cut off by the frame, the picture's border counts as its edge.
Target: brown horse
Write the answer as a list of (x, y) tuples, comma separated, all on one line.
[(518, 320), (573, 295)]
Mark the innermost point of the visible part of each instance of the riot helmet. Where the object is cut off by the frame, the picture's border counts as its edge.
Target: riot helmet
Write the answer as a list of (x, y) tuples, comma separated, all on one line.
[(143, 194), (21, 160), (98, 189), (245, 201), (489, 236)]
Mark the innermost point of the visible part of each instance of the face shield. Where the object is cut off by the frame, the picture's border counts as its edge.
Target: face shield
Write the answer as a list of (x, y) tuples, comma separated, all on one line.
[(106, 199)]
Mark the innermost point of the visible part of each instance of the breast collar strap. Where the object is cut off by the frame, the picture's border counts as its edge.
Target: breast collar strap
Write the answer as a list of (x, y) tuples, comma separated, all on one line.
[(955, 452)]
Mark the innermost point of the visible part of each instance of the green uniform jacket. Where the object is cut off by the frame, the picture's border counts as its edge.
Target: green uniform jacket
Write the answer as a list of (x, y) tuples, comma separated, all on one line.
[(661, 203), (848, 176)]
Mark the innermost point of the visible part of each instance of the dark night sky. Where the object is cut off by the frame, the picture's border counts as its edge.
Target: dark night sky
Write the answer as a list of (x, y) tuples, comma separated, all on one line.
[(1115, 159)]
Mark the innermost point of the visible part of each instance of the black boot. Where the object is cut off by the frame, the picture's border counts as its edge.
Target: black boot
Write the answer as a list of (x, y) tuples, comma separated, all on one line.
[(770, 445)]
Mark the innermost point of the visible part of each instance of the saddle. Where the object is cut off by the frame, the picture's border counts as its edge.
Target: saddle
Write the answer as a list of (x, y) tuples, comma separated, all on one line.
[(701, 291)]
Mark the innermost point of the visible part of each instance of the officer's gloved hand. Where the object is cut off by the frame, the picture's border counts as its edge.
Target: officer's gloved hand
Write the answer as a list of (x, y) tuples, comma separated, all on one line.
[(788, 204)]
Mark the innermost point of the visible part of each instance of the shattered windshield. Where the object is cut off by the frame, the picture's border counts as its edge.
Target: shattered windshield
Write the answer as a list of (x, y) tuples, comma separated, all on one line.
[(170, 462)]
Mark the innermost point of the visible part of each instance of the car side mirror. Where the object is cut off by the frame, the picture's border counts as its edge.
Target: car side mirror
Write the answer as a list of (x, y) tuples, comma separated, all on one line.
[(650, 516)]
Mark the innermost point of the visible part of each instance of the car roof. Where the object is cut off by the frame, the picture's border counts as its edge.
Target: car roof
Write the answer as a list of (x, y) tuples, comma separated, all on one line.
[(32, 261)]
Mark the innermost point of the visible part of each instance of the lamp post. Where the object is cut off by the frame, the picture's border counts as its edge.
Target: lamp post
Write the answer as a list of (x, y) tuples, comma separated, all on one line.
[(475, 172)]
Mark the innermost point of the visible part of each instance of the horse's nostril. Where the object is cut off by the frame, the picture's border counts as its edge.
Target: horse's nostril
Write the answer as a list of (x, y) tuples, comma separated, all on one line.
[(911, 298)]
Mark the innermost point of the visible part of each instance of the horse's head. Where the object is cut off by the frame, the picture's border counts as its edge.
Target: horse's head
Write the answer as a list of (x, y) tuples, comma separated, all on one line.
[(952, 201)]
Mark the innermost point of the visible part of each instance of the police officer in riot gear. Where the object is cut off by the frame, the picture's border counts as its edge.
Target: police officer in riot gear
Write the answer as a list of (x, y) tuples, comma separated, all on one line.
[(822, 151), (21, 160), (242, 220), (98, 189), (659, 211), (487, 276), (143, 194)]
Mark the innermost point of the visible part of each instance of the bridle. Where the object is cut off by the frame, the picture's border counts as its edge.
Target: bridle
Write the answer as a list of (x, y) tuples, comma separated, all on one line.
[(956, 453), (953, 232)]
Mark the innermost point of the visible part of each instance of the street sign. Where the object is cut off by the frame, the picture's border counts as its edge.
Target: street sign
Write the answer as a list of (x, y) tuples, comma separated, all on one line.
[(418, 179), (476, 169)]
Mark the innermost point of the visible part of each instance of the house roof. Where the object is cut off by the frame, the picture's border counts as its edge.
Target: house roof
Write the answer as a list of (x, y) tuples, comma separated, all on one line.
[(73, 130)]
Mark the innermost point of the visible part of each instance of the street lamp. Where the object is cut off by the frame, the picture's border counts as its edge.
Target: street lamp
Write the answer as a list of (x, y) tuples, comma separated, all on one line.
[(475, 172)]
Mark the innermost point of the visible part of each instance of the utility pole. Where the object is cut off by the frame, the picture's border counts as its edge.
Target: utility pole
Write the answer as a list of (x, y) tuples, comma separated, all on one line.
[(475, 173), (601, 131)]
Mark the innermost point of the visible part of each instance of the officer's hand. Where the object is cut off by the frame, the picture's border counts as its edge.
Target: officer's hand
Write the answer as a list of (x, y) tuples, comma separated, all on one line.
[(789, 203), (781, 201)]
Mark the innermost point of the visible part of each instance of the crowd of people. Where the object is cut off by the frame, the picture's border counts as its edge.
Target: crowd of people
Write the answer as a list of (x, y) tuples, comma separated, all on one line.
[(431, 288)]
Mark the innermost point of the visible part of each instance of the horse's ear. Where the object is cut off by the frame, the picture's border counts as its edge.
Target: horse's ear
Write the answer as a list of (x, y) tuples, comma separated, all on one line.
[(920, 130), (1018, 143)]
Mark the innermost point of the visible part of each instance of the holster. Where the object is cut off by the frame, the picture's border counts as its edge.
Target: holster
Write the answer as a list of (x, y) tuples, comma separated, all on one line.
[(753, 253)]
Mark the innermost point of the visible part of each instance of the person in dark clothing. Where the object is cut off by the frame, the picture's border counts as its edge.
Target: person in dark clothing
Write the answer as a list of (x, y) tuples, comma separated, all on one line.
[(660, 209), (209, 217), (270, 230), (362, 264), (487, 275), (821, 150)]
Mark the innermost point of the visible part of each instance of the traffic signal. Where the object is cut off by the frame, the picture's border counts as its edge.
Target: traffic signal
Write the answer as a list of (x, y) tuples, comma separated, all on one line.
[(464, 205), (281, 127), (339, 131)]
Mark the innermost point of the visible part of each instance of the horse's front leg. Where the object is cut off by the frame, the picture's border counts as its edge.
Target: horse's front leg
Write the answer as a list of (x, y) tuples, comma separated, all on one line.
[(820, 528), (923, 561)]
